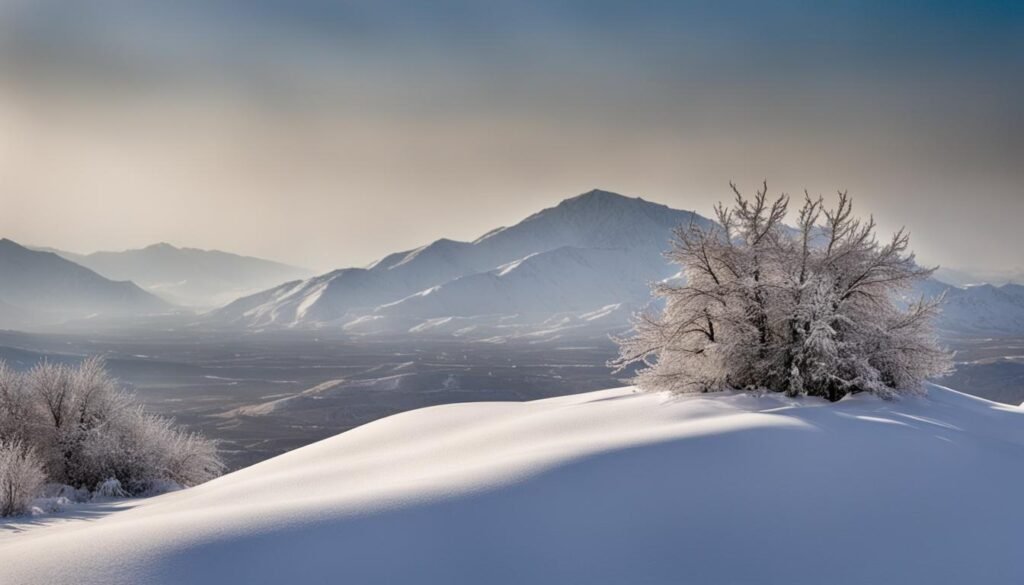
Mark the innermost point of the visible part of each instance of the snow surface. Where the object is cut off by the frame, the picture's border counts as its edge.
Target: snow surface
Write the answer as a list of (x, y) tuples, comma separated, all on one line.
[(605, 487)]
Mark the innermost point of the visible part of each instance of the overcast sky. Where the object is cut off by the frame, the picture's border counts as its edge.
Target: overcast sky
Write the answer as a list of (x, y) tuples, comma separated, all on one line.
[(330, 133)]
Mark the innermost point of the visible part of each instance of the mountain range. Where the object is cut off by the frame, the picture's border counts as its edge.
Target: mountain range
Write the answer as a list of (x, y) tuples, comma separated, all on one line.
[(585, 254), (978, 309), (582, 266), (188, 276), (39, 287)]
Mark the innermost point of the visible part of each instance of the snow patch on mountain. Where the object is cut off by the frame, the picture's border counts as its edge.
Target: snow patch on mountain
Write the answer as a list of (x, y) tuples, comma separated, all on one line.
[(555, 281)]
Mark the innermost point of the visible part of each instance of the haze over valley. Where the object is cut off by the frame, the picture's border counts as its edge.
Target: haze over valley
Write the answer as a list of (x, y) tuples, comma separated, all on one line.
[(525, 311)]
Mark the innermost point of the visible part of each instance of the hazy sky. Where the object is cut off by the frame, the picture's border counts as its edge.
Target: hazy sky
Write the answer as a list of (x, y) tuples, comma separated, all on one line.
[(330, 133)]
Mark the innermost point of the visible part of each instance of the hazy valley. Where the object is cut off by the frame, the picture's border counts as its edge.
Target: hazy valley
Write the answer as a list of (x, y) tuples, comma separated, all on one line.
[(524, 312)]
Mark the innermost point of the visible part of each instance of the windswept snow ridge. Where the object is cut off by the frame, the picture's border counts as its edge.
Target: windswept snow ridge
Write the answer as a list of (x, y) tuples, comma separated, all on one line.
[(606, 487)]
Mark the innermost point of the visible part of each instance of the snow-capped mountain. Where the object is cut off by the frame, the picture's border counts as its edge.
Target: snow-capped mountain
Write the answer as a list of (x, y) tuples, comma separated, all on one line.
[(585, 265), (607, 487), (41, 287), (596, 249), (189, 276)]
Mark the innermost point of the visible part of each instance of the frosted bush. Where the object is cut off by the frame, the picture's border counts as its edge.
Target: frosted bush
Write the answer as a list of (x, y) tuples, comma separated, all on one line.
[(161, 486), (21, 477), (108, 488), (65, 491), (41, 506), (16, 408), (85, 430), (806, 311)]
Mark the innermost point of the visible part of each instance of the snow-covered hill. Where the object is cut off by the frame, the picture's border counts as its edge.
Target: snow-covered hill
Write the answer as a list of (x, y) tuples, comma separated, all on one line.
[(589, 251), (189, 276), (41, 287), (606, 487)]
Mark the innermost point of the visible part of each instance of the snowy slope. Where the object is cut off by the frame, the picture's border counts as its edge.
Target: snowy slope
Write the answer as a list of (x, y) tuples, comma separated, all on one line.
[(189, 276), (594, 220), (606, 487), (321, 299), (559, 280)]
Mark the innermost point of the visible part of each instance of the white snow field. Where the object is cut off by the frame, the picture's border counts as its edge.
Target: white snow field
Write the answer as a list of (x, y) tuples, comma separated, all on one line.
[(607, 487)]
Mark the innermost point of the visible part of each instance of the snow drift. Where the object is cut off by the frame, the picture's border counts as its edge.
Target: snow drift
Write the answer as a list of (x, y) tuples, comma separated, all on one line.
[(606, 487)]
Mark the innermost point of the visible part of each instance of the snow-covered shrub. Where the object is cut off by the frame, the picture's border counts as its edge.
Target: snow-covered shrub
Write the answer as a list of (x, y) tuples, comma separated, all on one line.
[(16, 407), (21, 477), (62, 491), (161, 486), (806, 311), (45, 505), (144, 451), (191, 460), (75, 408), (108, 488), (87, 430)]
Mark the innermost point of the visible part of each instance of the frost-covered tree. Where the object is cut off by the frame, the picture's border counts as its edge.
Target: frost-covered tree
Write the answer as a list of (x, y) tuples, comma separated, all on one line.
[(16, 409), (806, 310), (74, 406), (83, 430), (21, 477)]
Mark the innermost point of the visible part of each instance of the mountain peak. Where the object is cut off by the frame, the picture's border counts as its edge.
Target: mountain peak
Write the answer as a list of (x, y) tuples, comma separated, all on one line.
[(598, 195), (161, 246), (602, 193), (14, 248), (604, 202)]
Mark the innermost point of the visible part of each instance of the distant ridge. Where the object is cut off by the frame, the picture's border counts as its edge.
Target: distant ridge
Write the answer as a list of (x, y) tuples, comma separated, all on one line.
[(189, 276), (39, 287)]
